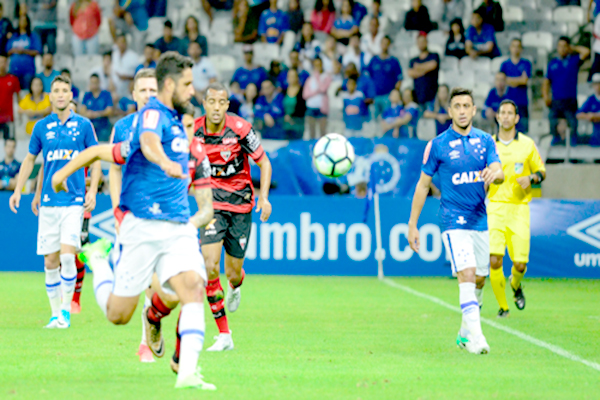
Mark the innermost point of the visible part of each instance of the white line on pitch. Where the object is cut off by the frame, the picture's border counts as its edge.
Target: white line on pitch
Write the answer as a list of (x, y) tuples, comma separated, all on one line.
[(540, 343)]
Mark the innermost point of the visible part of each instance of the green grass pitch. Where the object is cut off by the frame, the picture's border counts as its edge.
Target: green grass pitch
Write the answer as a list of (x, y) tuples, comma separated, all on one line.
[(312, 338)]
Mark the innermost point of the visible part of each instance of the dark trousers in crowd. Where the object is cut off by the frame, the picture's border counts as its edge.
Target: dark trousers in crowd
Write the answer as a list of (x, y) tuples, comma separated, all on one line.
[(595, 67), (565, 108), (523, 125), (6, 131), (48, 37)]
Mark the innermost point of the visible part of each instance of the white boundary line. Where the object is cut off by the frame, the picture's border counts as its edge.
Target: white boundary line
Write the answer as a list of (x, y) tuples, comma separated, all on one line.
[(540, 343)]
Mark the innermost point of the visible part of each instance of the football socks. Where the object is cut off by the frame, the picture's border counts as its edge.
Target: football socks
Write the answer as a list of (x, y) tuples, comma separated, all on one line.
[(499, 286), (215, 296)]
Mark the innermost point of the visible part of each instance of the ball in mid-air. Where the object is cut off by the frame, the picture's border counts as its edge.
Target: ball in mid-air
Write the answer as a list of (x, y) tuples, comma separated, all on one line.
[(333, 155)]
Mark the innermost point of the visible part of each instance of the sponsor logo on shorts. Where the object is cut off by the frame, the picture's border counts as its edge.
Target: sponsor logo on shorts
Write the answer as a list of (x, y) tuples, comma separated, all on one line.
[(243, 241)]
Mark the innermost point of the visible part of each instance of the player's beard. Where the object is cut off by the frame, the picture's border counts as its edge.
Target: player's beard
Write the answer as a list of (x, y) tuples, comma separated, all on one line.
[(179, 105), (465, 126)]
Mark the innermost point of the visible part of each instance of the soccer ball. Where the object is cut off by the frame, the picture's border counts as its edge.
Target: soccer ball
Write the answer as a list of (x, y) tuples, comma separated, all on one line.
[(333, 155)]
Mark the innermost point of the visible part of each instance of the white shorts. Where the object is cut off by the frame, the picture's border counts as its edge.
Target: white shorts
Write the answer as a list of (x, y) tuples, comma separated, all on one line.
[(468, 249), (59, 225), (146, 246)]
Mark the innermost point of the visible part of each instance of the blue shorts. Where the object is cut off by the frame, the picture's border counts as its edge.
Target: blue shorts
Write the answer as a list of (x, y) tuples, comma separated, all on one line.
[(314, 113)]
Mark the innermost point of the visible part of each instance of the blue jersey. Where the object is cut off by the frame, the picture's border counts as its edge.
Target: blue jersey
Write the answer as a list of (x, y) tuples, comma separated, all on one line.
[(493, 99), (100, 103), (385, 73), (274, 108), (354, 110), (273, 24), (592, 105), (61, 143), (282, 78), (515, 71), (8, 171), (147, 190), (459, 161), (47, 80), (124, 130), (344, 23), (21, 64), (562, 73), (245, 76), (488, 34)]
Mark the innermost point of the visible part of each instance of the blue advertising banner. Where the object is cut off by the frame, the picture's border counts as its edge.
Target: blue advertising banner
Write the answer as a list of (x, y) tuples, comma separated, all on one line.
[(314, 235)]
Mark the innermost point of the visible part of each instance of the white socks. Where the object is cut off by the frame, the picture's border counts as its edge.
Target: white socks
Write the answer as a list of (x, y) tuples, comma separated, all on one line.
[(470, 309), (103, 280), (147, 303), (191, 329), (53, 289), (479, 295), (68, 274)]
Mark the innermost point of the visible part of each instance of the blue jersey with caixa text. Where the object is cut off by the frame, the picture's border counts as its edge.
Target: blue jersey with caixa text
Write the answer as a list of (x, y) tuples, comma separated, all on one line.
[(459, 161), (147, 190), (60, 144)]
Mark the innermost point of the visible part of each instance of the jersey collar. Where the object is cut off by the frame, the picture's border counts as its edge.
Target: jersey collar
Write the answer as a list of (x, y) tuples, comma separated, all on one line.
[(54, 117), (497, 137), (154, 102)]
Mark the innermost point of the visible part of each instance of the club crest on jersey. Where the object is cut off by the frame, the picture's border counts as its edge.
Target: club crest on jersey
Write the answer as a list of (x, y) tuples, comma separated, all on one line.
[(519, 167), (454, 154), (466, 177), (225, 154), (61, 154), (454, 143)]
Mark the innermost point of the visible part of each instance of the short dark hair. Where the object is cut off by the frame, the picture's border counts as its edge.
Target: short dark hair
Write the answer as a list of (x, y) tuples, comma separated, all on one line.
[(388, 38), (9, 139), (377, 1), (512, 103), (170, 65), (61, 78), (565, 39), (216, 86), (460, 91), (95, 76), (107, 53), (353, 78), (168, 24), (518, 39), (65, 71), (151, 45), (479, 12)]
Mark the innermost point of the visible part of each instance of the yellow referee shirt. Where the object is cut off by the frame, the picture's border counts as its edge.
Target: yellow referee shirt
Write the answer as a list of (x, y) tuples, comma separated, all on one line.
[(519, 158)]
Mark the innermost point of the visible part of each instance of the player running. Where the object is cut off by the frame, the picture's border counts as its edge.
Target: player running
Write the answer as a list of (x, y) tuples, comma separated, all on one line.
[(508, 208), (466, 160), (60, 136), (229, 141)]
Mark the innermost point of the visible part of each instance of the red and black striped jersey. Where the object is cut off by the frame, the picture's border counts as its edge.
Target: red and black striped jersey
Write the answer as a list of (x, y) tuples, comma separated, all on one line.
[(228, 153), (199, 165)]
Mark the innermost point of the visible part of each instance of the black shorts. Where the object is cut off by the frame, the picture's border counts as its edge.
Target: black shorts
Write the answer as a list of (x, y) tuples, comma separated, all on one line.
[(232, 228)]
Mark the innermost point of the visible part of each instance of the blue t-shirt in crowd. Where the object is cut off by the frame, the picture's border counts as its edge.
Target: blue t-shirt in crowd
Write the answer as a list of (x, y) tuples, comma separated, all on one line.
[(75, 91), (100, 103), (354, 110), (61, 143), (125, 103), (426, 86), (138, 11), (439, 126), (245, 76), (9, 170), (163, 46), (282, 78), (562, 74), (399, 111), (152, 65), (592, 105), (459, 161), (21, 64), (47, 80), (344, 23), (359, 11), (493, 99), (274, 108), (515, 71), (273, 24), (488, 34), (385, 74)]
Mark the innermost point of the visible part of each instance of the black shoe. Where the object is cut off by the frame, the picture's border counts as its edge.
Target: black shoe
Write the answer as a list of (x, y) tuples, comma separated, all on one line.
[(503, 313), (175, 363), (519, 297)]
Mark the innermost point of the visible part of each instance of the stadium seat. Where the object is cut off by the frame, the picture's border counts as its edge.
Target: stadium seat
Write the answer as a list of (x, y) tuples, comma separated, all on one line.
[(569, 14), (289, 41), (438, 38), (450, 63), (540, 14), (335, 102), (540, 40), (63, 61), (521, 3), (459, 78), (538, 128), (556, 28), (104, 37), (497, 62), (155, 29), (512, 14), (480, 64), (426, 129), (264, 53), (481, 89)]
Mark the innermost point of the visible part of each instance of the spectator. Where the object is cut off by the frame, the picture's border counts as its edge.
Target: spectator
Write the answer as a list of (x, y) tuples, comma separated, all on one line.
[(104, 72), (345, 26), (269, 113), (410, 107), (386, 73), (307, 46), (126, 105), (168, 42), (595, 47), (439, 110), (85, 17), (208, 6), (491, 11), (6, 29), (424, 69), (295, 16), (590, 111), (245, 28), (559, 89), (455, 46), (43, 15), (35, 105), (156, 8), (124, 63), (371, 42), (452, 10), (149, 62), (354, 108), (499, 92), (22, 47), (328, 55), (395, 118), (375, 12), (247, 107), (317, 101), (9, 167), (417, 18), (203, 71), (97, 105), (294, 64), (355, 55), (249, 72), (481, 38), (274, 71), (273, 23), (48, 73), (359, 11), (365, 85), (66, 73), (294, 106), (236, 98), (323, 16), (130, 16), (518, 72), (9, 89), (192, 34)]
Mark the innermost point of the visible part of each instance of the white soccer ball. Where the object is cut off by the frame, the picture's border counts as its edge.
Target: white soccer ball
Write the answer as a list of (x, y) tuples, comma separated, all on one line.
[(333, 155)]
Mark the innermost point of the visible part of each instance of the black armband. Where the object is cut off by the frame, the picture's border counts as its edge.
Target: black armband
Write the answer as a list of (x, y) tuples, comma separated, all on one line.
[(540, 176)]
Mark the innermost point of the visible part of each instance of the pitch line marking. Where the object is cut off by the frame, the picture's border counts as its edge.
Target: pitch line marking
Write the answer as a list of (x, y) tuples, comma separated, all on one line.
[(540, 343)]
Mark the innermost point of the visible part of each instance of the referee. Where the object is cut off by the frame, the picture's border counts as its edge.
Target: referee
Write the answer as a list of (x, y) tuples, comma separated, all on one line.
[(508, 208)]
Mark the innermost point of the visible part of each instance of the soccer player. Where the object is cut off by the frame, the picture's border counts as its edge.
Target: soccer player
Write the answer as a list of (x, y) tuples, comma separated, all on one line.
[(60, 136), (466, 160), (229, 141), (508, 209), (156, 231)]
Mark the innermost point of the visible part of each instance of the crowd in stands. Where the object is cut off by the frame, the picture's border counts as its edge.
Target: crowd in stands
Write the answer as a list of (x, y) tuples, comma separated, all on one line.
[(348, 60)]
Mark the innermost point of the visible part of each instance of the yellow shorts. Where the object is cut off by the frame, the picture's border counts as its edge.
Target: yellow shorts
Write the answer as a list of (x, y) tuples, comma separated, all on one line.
[(509, 227)]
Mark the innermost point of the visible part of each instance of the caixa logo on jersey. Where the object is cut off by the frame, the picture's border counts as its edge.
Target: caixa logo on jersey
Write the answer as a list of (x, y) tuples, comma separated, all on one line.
[(61, 154), (180, 145), (466, 177)]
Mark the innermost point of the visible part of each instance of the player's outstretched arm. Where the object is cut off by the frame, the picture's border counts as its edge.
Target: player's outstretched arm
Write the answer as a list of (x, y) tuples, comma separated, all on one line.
[(265, 183), (205, 208), (154, 152), (415, 212), (24, 173), (101, 152)]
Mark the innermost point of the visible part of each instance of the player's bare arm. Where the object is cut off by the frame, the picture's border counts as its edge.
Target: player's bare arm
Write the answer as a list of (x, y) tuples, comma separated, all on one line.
[(265, 183), (419, 198), (89, 156), (90, 195), (493, 174), (205, 208), (37, 197), (24, 173), (154, 152), (115, 178)]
